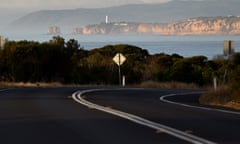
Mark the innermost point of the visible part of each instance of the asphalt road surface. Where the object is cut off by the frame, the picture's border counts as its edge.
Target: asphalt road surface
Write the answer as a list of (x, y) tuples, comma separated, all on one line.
[(52, 116)]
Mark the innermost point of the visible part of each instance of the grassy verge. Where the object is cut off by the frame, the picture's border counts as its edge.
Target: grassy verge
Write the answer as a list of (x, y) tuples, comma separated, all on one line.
[(221, 97), (174, 85), (28, 84), (147, 84)]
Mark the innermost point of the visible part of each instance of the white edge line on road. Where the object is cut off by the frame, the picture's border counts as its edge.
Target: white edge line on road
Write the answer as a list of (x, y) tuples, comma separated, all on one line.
[(77, 96), (163, 99)]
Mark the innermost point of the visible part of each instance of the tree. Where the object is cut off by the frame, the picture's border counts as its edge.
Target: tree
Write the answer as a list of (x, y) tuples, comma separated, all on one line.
[(73, 44), (182, 71), (58, 41)]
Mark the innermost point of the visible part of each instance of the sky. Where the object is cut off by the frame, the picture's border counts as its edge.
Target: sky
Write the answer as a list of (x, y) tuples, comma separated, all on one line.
[(11, 10), (66, 4)]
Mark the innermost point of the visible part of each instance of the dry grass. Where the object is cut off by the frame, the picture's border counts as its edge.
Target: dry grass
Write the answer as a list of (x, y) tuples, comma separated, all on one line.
[(28, 84), (233, 105), (174, 85), (220, 97)]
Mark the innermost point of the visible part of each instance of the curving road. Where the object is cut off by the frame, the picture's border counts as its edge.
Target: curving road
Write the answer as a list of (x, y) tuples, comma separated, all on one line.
[(50, 115)]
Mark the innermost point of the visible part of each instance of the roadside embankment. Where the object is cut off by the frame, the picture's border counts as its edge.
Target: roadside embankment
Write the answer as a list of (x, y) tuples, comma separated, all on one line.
[(221, 97)]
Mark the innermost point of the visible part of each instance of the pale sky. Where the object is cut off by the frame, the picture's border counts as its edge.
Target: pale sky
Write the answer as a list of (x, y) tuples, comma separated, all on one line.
[(68, 4)]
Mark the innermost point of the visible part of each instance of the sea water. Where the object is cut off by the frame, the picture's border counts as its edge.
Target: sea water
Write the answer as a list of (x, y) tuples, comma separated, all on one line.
[(186, 46)]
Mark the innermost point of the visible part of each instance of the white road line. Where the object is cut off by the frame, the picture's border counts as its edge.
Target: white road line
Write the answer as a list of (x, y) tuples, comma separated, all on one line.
[(163, 99), (77, 96)]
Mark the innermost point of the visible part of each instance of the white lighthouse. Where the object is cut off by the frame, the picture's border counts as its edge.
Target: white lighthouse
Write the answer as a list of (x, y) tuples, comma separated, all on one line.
[(2, 42), (106, 20)]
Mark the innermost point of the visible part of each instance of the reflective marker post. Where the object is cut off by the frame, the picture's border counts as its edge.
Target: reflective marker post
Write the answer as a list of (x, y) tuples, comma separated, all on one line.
[(124, 81), (215, 83)]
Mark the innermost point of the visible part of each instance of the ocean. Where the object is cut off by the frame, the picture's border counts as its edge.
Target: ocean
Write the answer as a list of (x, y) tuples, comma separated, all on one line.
[(186, 46)]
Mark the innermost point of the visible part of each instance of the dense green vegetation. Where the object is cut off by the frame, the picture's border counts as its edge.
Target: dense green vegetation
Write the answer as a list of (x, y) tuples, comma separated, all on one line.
[(66, 62)]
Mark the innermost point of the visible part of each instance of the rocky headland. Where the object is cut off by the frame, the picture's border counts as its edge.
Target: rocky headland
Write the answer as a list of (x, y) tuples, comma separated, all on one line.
[(194, 26)]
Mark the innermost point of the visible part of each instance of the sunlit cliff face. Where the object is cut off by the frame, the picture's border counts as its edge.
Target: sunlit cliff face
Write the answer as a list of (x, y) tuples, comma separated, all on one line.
[(219, 25)]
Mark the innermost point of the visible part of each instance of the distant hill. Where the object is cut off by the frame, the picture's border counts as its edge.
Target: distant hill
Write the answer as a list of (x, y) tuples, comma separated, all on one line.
[(38, 22)]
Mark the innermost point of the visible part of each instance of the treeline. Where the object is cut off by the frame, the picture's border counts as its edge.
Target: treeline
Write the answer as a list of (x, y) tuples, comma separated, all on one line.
[(66, 62)]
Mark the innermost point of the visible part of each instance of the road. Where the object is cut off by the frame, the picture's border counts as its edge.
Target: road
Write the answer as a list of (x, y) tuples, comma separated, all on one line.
[(50, 115)]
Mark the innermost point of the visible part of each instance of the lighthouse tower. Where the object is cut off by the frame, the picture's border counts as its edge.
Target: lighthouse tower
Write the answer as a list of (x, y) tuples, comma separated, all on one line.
[(2, 42), (106, 20)]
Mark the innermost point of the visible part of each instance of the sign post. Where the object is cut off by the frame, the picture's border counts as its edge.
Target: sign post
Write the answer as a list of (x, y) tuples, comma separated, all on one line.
[(229, 47), (228, 51), (119, 59)]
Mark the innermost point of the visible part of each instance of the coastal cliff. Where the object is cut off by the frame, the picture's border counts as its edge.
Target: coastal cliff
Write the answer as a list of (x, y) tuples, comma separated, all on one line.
[(195, 26)]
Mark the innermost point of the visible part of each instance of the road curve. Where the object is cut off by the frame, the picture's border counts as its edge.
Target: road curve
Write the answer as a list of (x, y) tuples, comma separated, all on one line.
[(212, 125), (78, 96)]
